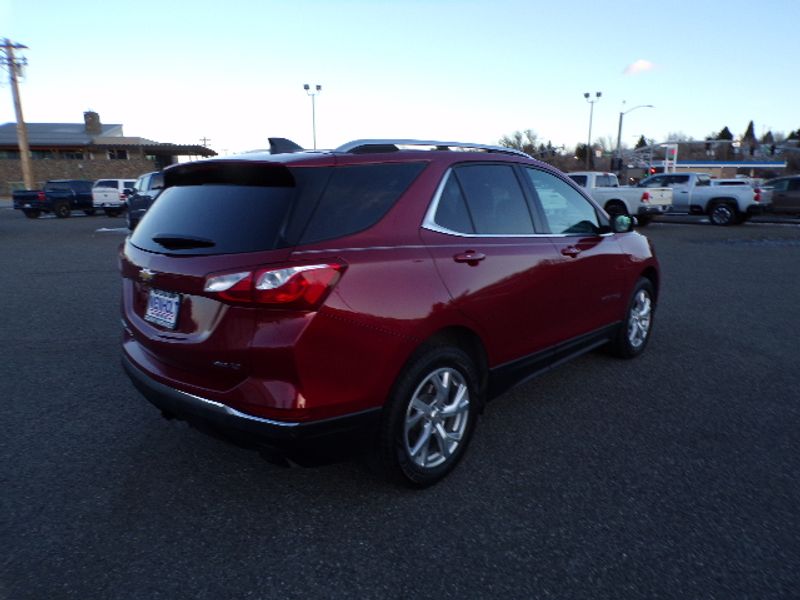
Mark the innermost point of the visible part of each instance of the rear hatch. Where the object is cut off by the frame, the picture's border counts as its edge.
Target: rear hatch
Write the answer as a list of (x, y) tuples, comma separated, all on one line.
[(213, 219)]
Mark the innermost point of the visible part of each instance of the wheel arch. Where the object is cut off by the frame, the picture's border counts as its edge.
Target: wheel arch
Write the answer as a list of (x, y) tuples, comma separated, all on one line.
[(615, 202), (467, 340), (651, 274)]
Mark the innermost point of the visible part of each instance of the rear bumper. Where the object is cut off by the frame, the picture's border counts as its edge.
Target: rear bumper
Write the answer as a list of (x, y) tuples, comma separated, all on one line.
[(32, 205), (245, 428), (655, 209)]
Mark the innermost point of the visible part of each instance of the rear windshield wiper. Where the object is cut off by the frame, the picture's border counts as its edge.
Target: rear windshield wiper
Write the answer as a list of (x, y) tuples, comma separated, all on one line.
[(181, 242)]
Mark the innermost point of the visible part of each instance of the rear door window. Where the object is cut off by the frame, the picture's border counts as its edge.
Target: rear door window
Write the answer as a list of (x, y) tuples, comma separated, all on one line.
[(493, 199), (605, 181)]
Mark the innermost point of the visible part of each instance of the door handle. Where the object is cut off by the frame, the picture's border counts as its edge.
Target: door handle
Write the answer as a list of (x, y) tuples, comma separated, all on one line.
[(571, 251), (470, 257)]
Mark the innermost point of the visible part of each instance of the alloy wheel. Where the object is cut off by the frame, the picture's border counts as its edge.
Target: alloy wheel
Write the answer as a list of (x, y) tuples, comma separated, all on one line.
[(639, 319), (437, 417)]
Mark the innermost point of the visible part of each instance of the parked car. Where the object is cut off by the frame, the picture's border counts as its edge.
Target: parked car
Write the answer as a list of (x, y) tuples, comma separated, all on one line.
[(110, 195), (145, 190), (604, 188), (59, 196), (785, 194), (378, 289), (694, 194)]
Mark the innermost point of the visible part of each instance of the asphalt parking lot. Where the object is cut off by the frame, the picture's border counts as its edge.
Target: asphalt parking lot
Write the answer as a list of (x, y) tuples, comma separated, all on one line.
[(671, 476)]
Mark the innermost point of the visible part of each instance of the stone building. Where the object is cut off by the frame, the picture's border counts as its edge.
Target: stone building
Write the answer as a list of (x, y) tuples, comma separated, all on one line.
[(88, 150)]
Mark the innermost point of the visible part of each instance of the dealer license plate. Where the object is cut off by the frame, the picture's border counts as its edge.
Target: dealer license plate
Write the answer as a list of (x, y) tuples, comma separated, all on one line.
[(162, 308)]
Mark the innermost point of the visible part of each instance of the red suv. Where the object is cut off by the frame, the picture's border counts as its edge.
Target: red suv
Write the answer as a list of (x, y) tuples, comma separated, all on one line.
[(388, 286)]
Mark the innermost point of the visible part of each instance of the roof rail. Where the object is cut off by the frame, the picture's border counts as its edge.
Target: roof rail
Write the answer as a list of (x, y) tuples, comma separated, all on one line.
[(391, 145)]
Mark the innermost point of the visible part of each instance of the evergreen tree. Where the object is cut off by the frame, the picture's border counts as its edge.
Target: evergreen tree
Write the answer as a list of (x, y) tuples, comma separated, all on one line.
[(749, 138), (725, 134)]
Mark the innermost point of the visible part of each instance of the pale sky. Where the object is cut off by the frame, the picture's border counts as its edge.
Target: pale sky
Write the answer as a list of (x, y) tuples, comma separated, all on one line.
[(469, 70)]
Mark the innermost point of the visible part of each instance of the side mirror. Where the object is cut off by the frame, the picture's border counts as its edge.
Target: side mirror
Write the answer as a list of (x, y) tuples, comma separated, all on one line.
[(622, 223)]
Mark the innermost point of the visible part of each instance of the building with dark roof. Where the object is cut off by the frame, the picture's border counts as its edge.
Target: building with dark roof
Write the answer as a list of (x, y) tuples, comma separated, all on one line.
[(88, 150)]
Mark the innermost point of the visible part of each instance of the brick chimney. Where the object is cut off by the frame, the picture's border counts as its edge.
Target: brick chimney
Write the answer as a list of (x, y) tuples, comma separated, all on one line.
[(92, 121)]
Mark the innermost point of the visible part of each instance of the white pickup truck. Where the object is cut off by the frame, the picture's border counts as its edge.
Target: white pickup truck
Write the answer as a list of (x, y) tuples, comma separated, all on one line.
[(604, 188), (694, 194), (110, 195)]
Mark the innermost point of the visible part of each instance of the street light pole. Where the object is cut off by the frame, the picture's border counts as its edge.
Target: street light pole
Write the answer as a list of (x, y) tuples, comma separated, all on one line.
[(591, 102), (313, 94), (619, 133)]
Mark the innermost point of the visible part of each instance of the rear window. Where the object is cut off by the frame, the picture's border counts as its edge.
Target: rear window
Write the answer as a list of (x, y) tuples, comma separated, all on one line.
[(106, 183), (214, 219), (579, 179), (228, 208)]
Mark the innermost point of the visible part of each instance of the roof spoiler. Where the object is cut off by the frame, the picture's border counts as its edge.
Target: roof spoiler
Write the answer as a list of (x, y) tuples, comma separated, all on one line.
[(283, 146)]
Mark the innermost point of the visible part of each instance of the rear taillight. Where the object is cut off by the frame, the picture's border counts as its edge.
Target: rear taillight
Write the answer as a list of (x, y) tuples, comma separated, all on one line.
[(757, 195), (123, 196), (645, 196), (301, 287), (41, 196)]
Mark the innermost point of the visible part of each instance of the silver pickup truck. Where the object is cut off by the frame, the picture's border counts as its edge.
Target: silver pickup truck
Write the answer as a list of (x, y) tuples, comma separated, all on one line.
[(693, 194)]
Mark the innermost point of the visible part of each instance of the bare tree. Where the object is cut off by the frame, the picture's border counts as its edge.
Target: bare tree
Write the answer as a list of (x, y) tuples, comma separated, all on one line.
[(527, 141)]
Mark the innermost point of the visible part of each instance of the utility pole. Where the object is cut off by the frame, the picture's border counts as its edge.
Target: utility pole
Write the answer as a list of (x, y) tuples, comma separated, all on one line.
[(205, 140), (13, 64)]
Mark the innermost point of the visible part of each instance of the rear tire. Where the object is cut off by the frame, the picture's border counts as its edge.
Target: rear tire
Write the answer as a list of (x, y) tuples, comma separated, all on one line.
[(643, 221), (112, 212), (634, 332), (723, 214), (430, 416), (62, 210)]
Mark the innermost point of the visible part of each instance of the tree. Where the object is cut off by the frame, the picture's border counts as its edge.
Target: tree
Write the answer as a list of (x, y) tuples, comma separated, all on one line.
[(725, 134), (749, 139), (521, 140), (642, 143), (677, 137)]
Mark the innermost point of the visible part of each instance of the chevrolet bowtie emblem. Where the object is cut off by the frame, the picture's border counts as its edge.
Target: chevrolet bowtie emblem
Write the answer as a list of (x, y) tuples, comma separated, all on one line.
[(146, 274)]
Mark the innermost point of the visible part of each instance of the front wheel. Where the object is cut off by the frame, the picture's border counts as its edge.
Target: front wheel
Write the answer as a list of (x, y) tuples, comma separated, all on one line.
[(430, 416), (723, 214), (634, 333)]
